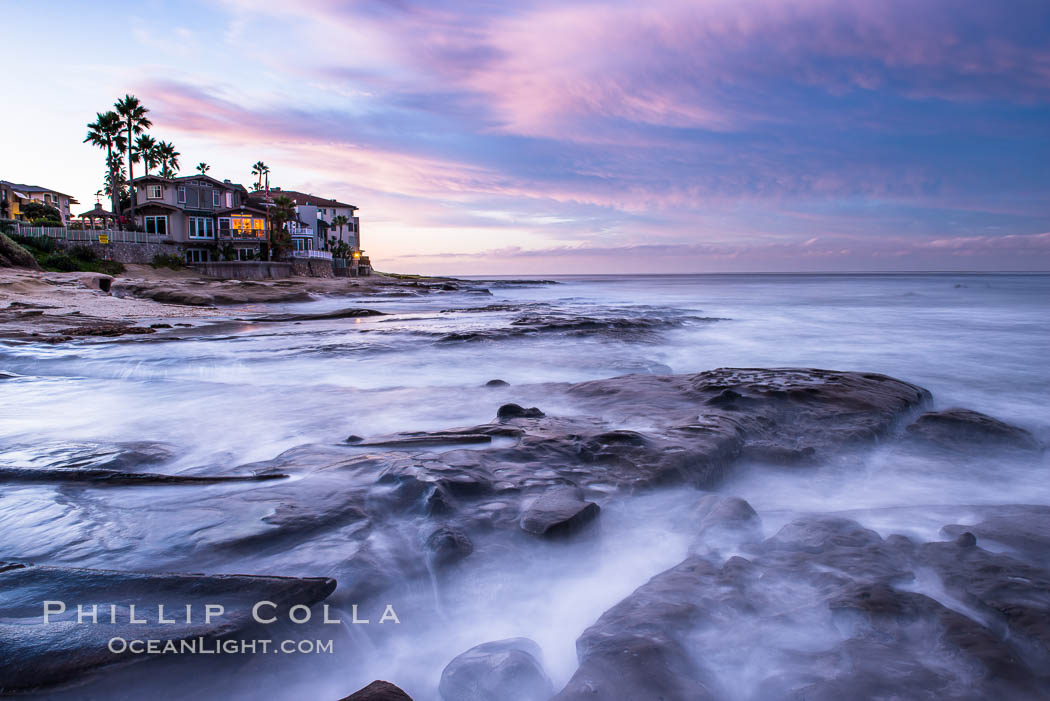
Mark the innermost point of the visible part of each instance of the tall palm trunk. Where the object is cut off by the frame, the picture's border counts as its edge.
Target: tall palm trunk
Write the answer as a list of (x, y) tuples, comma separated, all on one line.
[(131, 166), (114, 195)]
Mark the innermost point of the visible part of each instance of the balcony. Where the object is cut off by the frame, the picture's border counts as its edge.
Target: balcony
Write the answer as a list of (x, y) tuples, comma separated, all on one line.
[(325, 255)]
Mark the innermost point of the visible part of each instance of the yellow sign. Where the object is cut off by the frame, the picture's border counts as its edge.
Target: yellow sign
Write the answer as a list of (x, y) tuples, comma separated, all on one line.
[(103, 238)]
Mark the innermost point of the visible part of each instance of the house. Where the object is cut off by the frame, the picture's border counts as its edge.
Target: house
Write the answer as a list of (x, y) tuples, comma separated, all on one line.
[(202, 215), (14, 196), (314, 219)]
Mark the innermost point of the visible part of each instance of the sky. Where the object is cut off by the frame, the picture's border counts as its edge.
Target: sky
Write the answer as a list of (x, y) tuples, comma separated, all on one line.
[(576, 136)]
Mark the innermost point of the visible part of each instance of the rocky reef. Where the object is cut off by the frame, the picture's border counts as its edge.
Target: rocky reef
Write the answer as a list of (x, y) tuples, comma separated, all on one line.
[(375, 512)]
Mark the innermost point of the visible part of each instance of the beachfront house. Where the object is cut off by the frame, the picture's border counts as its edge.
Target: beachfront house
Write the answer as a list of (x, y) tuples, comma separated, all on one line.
[(15, 196), (202, 214), (314, 217)]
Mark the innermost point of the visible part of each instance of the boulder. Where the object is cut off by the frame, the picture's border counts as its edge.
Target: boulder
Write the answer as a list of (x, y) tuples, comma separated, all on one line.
[(448, 545), (557, 512), (515, 411), (378, 691), (13, 255), (504, 670), (497, 383), (965, 430), (63, 649)]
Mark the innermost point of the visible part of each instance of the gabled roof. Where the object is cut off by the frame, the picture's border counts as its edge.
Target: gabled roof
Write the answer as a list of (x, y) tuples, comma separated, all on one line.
[(36, 188), (240, 208), (185, 178), (302, 198)]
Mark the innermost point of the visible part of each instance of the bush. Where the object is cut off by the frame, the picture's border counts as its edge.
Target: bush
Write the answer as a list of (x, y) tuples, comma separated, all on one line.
[(76, 258), (54, 223), (84, 253), (168, 260)]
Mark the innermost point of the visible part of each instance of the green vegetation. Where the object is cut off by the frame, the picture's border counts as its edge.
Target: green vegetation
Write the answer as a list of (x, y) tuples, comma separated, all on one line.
[(168, 260), (75, 258), (40, 214)]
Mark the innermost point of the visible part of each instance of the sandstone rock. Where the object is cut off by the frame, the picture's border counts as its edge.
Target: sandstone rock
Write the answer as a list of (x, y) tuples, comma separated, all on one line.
[(507, 670), (378, 691), (448, 545), (13, 255), (514, 411), (557, 512), (64, 650), (965, 430)]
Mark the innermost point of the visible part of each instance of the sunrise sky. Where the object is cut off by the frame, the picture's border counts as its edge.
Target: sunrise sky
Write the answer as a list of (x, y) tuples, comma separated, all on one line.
[(574, 136)]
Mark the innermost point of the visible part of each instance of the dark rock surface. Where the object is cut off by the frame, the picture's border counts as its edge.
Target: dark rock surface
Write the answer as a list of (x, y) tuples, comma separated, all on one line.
[(36, 655), (558, 511), (964, 430), (13, 255), (497, 383), (378, 691), (845, 590), (353, 313), (508, 670), (448, 545), (514, 411)]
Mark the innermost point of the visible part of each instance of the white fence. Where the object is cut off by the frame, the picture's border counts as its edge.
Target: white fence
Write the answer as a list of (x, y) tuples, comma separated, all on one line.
[(312, 254), (85, 235)]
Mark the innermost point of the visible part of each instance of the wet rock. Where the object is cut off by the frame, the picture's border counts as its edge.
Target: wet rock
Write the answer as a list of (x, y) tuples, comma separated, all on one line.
[(320, 316), (727, 519), (637, 650), (1022, 528), (497, 383), (507, 670), (557, 512), (378, 691), (515, 411), (965, 430), (63, 650), (448, 545), (115, 478)]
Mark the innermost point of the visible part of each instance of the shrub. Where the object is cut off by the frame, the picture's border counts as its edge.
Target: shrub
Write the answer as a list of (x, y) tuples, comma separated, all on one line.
[(168, 260), (54, 223), (84, 253)]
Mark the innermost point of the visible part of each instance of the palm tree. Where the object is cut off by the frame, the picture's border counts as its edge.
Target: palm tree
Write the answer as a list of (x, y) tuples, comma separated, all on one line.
[(146, 148), (282, 212), (259, 169), (104, 133), (339, 221), (168, 159), (203, 168), (133, 114)]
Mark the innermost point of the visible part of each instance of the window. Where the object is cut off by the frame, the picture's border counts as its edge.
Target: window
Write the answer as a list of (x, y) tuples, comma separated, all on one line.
[(246, 254), (224, 226), (154, 192), (201, 227), (196, 255), (216, 198), (180, 195), (156, 225), (229, 199)]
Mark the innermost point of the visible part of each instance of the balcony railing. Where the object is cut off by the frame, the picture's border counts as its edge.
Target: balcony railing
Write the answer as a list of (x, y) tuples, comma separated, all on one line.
[(86, 235), (312, 254)]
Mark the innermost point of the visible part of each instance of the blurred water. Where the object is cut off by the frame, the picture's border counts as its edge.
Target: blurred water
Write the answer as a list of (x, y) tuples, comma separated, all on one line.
[(244, 391)]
